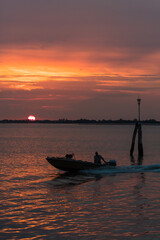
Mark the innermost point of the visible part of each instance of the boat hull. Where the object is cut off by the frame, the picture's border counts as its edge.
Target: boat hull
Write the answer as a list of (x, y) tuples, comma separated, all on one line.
[(67, 164)]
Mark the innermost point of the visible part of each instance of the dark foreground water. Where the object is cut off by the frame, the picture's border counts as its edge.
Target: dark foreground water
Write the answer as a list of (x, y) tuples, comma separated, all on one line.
[(39, 202)]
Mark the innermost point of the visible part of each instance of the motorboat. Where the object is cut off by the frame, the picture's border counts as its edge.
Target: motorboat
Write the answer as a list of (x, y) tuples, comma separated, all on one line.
[(67, 163)]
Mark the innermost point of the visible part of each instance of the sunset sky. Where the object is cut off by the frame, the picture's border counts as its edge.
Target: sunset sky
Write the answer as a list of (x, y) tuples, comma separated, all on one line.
[(79, 59)]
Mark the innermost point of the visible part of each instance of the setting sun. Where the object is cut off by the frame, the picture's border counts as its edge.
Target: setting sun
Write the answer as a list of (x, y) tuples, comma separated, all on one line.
[(31, 118)]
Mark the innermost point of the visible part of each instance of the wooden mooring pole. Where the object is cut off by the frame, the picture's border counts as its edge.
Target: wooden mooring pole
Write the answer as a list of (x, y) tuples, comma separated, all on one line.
[(133, 139), (138, 128), (140, 145)]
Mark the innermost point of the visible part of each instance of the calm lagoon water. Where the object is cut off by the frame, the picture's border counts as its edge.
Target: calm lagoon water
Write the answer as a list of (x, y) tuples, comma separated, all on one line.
[(39, 202)]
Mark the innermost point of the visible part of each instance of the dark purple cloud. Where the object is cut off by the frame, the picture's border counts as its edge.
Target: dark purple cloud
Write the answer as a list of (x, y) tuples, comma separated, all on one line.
[(88, 24)]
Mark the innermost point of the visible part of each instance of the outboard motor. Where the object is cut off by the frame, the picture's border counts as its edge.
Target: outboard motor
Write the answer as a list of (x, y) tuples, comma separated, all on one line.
[(112, 162)]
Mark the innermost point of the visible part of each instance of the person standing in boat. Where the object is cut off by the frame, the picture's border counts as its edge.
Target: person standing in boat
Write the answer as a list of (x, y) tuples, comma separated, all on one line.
[(98, 158)]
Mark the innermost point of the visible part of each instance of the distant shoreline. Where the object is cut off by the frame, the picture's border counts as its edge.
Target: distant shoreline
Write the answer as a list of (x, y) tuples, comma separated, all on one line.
[(84, 121)]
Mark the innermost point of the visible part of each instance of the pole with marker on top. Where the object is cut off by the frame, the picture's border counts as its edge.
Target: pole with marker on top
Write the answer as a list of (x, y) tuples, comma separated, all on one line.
[(139, 103), (138, 129)]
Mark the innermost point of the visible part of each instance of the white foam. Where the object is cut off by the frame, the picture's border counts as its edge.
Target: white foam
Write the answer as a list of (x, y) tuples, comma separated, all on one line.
[(125, 169)]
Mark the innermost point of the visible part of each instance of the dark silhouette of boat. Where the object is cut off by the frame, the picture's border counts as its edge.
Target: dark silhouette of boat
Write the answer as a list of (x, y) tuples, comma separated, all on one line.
[(70, 164)]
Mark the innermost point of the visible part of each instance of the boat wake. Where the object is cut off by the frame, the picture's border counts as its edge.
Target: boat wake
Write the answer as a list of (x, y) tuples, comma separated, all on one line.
[(125, 169)]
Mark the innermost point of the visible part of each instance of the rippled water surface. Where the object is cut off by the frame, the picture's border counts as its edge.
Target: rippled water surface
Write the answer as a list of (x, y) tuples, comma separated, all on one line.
[(39, 202)]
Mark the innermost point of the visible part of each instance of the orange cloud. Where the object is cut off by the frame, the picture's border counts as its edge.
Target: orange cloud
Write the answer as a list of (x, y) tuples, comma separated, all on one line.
[(31, 69)]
